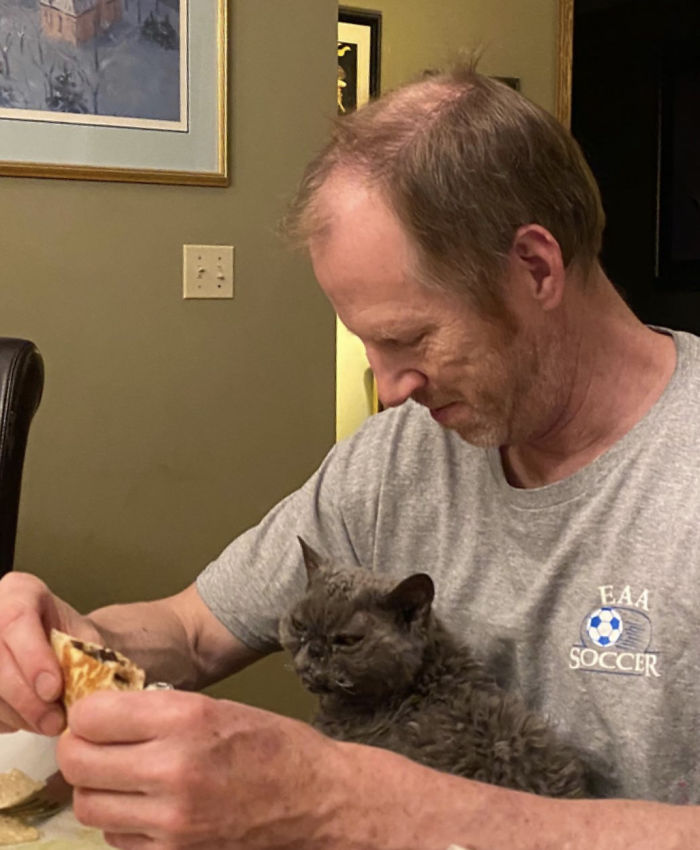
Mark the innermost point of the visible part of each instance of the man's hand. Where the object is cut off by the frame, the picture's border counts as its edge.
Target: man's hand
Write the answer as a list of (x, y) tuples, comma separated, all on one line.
[(169, 769), (30, 677)]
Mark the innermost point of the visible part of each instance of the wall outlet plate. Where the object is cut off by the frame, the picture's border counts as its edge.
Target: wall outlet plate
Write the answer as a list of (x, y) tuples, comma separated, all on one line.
[(207, 271)]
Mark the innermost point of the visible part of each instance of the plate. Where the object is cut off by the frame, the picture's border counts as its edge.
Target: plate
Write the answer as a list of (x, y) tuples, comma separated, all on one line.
[(36, 756)]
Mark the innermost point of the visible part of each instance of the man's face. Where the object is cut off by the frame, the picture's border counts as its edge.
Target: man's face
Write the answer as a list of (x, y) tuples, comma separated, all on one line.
[(489, 381)]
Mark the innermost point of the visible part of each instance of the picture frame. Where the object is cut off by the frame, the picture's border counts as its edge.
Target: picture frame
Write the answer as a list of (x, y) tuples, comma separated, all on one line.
[(359, 57), (677, 249), (359, 81), (511, 82), (565, 58), (171, 129)]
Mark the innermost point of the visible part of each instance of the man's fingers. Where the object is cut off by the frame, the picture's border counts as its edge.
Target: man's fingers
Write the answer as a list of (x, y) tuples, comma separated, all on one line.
[(141, 819), (120, 768), (129, 842), (14, 687), (11, 723), (127, 814), (23, 634), (20, 706), (124, 717)]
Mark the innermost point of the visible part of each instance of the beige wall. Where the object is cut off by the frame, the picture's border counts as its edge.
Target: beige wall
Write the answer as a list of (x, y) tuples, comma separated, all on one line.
[(168, 426), (517, 39)]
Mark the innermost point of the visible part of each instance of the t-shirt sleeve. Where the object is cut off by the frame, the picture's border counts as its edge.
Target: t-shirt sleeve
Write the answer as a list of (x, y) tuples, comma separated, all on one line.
[(260, 574)]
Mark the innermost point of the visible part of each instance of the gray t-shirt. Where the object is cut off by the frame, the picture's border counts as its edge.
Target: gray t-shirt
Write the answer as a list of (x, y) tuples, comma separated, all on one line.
[(583, 594)]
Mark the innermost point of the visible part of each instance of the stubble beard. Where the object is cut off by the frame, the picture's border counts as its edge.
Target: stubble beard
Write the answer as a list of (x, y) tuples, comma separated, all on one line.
[(521, 392)]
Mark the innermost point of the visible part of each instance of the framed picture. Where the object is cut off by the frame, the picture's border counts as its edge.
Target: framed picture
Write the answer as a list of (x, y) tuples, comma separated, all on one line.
[(126, 90), (678, 181), (359, 51), (512, 82)]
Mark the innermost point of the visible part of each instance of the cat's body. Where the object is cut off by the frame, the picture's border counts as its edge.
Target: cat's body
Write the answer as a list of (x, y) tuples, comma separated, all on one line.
[(388, 674)]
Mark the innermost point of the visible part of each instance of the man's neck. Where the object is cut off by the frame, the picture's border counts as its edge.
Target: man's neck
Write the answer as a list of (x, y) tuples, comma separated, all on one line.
[(621, 372)]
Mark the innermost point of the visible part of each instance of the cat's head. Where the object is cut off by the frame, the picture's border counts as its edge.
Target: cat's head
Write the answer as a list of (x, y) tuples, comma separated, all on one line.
[(357, 635)]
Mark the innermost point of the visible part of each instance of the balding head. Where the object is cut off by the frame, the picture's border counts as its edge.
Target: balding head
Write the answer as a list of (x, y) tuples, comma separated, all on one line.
[(464, 161)]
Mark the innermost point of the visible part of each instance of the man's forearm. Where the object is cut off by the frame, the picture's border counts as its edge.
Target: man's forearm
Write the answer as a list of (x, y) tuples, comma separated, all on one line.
[(175, 640), (151, 635), (404, 806)]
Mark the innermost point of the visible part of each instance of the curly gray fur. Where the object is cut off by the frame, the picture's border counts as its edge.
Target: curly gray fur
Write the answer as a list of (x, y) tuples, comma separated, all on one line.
[(388, 674)]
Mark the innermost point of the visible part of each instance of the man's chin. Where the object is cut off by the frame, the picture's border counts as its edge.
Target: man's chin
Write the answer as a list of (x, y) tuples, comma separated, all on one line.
[(455, 417), (480, 438), (481, 435)]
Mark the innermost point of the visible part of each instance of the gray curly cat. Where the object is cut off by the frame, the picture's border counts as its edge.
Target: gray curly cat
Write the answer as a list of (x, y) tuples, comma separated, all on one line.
[(388, 674)]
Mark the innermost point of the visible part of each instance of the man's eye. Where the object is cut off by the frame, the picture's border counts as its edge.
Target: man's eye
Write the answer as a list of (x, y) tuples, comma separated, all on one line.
[(405, 342)]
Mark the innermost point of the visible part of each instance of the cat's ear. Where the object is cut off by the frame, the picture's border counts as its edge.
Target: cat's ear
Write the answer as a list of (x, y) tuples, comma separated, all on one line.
[(412, 597), (312, 560)]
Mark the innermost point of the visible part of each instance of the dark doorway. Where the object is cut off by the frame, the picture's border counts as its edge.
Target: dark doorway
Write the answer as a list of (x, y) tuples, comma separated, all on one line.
[(636, 113)]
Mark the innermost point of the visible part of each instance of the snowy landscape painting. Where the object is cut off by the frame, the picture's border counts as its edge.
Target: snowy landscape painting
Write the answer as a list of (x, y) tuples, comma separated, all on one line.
[(120, 63), (125, 90)]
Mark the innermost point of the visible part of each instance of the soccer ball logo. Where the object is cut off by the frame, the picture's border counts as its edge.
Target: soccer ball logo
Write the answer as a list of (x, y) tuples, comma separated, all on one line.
[(604, 626)]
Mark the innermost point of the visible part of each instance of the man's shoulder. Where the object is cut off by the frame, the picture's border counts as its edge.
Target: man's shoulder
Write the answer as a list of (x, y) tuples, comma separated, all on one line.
[(687, 374)]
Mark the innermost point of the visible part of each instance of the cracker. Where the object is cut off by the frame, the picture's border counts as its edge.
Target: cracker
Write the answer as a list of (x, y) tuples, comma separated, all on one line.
[(15, 787), (13, 831)]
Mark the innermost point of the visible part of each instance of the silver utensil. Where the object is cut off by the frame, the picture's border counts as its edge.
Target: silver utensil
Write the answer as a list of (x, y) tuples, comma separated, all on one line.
[(53, 796)]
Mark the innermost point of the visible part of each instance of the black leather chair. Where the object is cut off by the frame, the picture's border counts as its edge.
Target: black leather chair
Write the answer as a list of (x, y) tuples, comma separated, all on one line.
[(21, 385)]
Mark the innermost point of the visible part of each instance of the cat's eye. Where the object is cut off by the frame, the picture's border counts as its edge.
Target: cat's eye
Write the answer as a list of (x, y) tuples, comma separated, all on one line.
[(346, 639), (297, 625)]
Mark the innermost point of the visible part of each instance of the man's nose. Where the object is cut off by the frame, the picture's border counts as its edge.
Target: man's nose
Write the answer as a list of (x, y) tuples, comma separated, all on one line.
[(394, 386)]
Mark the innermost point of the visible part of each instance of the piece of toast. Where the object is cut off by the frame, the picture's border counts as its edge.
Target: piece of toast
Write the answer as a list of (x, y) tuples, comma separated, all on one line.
[(88, 667)]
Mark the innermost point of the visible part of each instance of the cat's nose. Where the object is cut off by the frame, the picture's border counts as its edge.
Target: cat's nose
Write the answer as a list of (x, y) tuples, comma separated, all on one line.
[(316, 649)]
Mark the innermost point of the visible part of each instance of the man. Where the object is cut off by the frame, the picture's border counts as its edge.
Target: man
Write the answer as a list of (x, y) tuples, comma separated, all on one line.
[(540, 439)]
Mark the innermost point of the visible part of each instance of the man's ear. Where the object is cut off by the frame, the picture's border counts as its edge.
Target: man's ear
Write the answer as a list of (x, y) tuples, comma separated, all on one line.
[(537, 255)]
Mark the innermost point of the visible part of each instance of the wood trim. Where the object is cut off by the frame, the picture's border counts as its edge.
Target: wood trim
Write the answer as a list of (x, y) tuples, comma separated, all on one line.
[(565, 61)]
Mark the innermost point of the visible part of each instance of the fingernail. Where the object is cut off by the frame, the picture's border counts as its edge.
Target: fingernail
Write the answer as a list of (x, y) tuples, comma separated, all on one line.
[(47, 687), (52, 723)]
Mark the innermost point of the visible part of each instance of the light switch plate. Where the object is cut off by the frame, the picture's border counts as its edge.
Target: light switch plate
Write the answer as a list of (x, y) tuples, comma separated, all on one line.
[(207, 271)]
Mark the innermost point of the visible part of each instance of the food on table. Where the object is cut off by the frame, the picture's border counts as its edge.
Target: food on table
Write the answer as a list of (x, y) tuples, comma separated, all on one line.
[(15, 787), (14, 831)]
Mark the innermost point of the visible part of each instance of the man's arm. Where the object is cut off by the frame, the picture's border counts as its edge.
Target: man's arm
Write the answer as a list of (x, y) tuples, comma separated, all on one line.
[(415, 807), (176, 640)]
